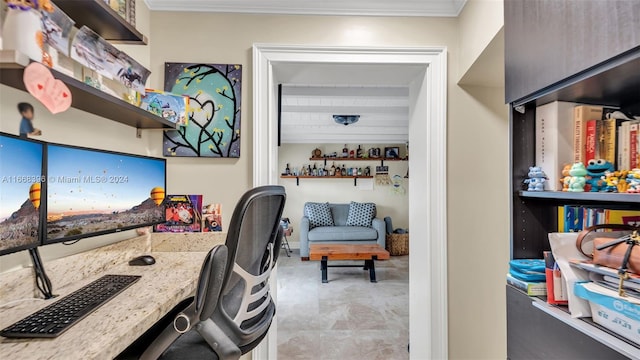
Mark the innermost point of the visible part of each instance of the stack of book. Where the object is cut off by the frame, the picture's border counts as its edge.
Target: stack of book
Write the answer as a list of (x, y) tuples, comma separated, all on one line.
[(567, 133), (528, 275), (576, 218)]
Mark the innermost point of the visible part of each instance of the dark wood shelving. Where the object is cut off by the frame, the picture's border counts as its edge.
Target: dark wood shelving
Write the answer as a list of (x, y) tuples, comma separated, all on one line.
[(355, 178), (85, 97), (581, 196), (354, 159), (99, 17), (324, 177)]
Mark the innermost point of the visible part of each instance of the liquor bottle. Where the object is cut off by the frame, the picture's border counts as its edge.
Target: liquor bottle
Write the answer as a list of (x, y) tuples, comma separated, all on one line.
[(287, 171), (352, 154), (314, 171), (345, 151), (359, 152), (359, 171), (344, 170), (332, 170), (309, 172), (338, 171)]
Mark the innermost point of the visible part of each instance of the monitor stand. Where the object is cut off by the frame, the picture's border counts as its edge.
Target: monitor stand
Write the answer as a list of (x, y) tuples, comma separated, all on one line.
[(42, 280)]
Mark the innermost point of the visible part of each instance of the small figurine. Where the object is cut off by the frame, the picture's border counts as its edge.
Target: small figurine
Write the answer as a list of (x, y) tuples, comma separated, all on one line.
[(536, 179), (595, 170), (611, 181), (26, 123), (633, 181), (578, 180), (566, 177)]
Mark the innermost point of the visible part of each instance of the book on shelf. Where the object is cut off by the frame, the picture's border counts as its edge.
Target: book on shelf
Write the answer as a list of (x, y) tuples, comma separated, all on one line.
[(531, 288), (582, 114), (633, 144), (576, 218), (590, 144), (554, 140)]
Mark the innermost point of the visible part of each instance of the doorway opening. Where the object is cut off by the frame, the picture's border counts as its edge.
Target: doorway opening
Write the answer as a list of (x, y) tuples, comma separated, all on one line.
[(427, 184)]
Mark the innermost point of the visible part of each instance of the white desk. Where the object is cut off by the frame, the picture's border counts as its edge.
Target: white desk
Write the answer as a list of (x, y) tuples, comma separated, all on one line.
[(111, 328)]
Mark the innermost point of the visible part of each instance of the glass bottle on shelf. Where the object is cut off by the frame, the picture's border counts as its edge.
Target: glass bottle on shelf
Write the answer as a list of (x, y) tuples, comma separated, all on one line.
[(367, 171), (359, 171), (287, 171), (314, 171), (332, 170), (309, 172), (344, 170), (338, 171), (359, 152), (345, 151)]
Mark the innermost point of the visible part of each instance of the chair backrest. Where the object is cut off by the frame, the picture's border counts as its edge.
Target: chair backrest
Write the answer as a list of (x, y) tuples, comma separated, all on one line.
[(210, 281), (245, 309)]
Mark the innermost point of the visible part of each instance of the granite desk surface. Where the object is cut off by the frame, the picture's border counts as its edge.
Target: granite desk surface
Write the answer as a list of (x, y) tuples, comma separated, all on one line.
[(107, 331)]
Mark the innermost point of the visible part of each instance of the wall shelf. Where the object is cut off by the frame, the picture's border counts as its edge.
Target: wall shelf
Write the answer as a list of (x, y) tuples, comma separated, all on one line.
[(338, 159), (85, 97), (355, 178), (99, 17), (581, 196)]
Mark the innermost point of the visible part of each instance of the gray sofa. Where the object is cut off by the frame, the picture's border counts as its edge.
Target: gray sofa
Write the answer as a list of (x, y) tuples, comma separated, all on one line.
[(340, 233)]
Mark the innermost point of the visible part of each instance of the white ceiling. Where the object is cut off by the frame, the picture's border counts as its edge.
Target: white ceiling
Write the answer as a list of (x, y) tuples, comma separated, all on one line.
[(317, 7), (313, 92)]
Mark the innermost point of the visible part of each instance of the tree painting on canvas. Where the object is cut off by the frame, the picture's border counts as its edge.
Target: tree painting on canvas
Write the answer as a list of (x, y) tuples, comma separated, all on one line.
[(213, 126)]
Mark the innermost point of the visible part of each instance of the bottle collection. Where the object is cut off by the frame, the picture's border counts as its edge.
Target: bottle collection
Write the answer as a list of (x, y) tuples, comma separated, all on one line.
[(315, 170)]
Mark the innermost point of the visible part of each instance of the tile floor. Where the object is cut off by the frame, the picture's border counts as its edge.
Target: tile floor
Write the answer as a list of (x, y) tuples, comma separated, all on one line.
[(347, 318)]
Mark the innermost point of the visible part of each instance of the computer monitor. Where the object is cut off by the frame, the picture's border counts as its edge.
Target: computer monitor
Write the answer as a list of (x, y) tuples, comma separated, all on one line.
[(21, 187), (93, 192)]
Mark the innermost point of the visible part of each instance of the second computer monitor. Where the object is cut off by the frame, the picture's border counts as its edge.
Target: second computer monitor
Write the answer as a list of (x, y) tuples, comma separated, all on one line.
[(93, 192)]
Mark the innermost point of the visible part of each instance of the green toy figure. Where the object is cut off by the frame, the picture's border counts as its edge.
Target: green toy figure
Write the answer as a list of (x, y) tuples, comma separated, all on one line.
[(578, 172)]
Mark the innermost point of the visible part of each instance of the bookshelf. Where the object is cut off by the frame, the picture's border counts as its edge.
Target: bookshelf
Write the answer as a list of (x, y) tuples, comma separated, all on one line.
[(536, 330)]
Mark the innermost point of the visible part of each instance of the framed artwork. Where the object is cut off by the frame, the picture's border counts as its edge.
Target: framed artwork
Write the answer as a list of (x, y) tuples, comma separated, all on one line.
[(213, 124), (392, 152)]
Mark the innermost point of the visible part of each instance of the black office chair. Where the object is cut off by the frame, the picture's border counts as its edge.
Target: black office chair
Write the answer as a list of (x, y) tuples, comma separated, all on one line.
[(244, 310)]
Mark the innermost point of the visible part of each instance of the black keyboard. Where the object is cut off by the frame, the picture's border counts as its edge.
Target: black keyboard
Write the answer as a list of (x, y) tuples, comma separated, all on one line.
[(56, 318)]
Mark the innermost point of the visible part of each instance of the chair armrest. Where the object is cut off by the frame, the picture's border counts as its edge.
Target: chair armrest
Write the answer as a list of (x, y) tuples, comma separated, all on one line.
[(304, 237), (381, 228)]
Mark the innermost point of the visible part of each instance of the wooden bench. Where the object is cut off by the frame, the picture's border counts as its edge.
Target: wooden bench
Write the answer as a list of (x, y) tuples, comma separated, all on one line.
[(368, 253)]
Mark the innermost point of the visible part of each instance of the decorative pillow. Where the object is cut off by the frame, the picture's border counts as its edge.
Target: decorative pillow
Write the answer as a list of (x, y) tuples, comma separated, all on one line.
[(361, 214), (319, 214)]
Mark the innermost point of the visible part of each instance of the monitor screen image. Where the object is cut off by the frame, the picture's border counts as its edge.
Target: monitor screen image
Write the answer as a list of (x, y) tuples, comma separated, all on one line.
[(94, 192), (20, 188)]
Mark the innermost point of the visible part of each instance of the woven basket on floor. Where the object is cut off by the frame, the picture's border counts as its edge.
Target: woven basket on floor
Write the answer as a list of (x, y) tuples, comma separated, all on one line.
[(397, 244)]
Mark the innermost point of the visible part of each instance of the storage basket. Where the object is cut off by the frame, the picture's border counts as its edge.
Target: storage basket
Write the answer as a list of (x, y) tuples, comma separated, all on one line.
[(397, 244)]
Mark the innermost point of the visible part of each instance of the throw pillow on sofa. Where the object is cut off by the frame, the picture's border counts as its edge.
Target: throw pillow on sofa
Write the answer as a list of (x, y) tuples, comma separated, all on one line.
[(319, 214), (361, 214)]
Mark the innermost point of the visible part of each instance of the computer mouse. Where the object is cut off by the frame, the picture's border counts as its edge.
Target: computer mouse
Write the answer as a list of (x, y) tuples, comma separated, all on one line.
[(142, 260)]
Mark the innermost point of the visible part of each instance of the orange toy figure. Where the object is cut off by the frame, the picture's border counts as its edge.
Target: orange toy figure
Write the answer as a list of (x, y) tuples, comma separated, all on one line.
[(566, 177)]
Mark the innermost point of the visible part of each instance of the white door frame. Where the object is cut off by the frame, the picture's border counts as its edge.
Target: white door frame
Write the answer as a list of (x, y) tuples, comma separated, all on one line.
[(428, 159)]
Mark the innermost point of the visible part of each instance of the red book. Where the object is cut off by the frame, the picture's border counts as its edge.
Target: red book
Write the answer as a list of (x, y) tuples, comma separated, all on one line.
[(590, 141), (633, 146)]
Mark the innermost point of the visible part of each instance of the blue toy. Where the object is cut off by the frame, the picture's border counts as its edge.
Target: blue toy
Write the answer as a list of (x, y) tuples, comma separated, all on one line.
[(596, 169), (578, 180), (536, 179)]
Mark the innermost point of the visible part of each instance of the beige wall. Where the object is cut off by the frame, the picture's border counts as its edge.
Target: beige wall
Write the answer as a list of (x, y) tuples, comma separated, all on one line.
[(477, 145), (480, 21), (338, 190)]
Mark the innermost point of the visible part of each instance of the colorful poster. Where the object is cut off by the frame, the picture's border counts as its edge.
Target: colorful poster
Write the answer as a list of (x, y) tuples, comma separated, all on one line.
[(169, 106), (183, 213), (213, 125)]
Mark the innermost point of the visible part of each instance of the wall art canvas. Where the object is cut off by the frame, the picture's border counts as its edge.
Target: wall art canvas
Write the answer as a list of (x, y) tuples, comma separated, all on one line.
[(213, 125)]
